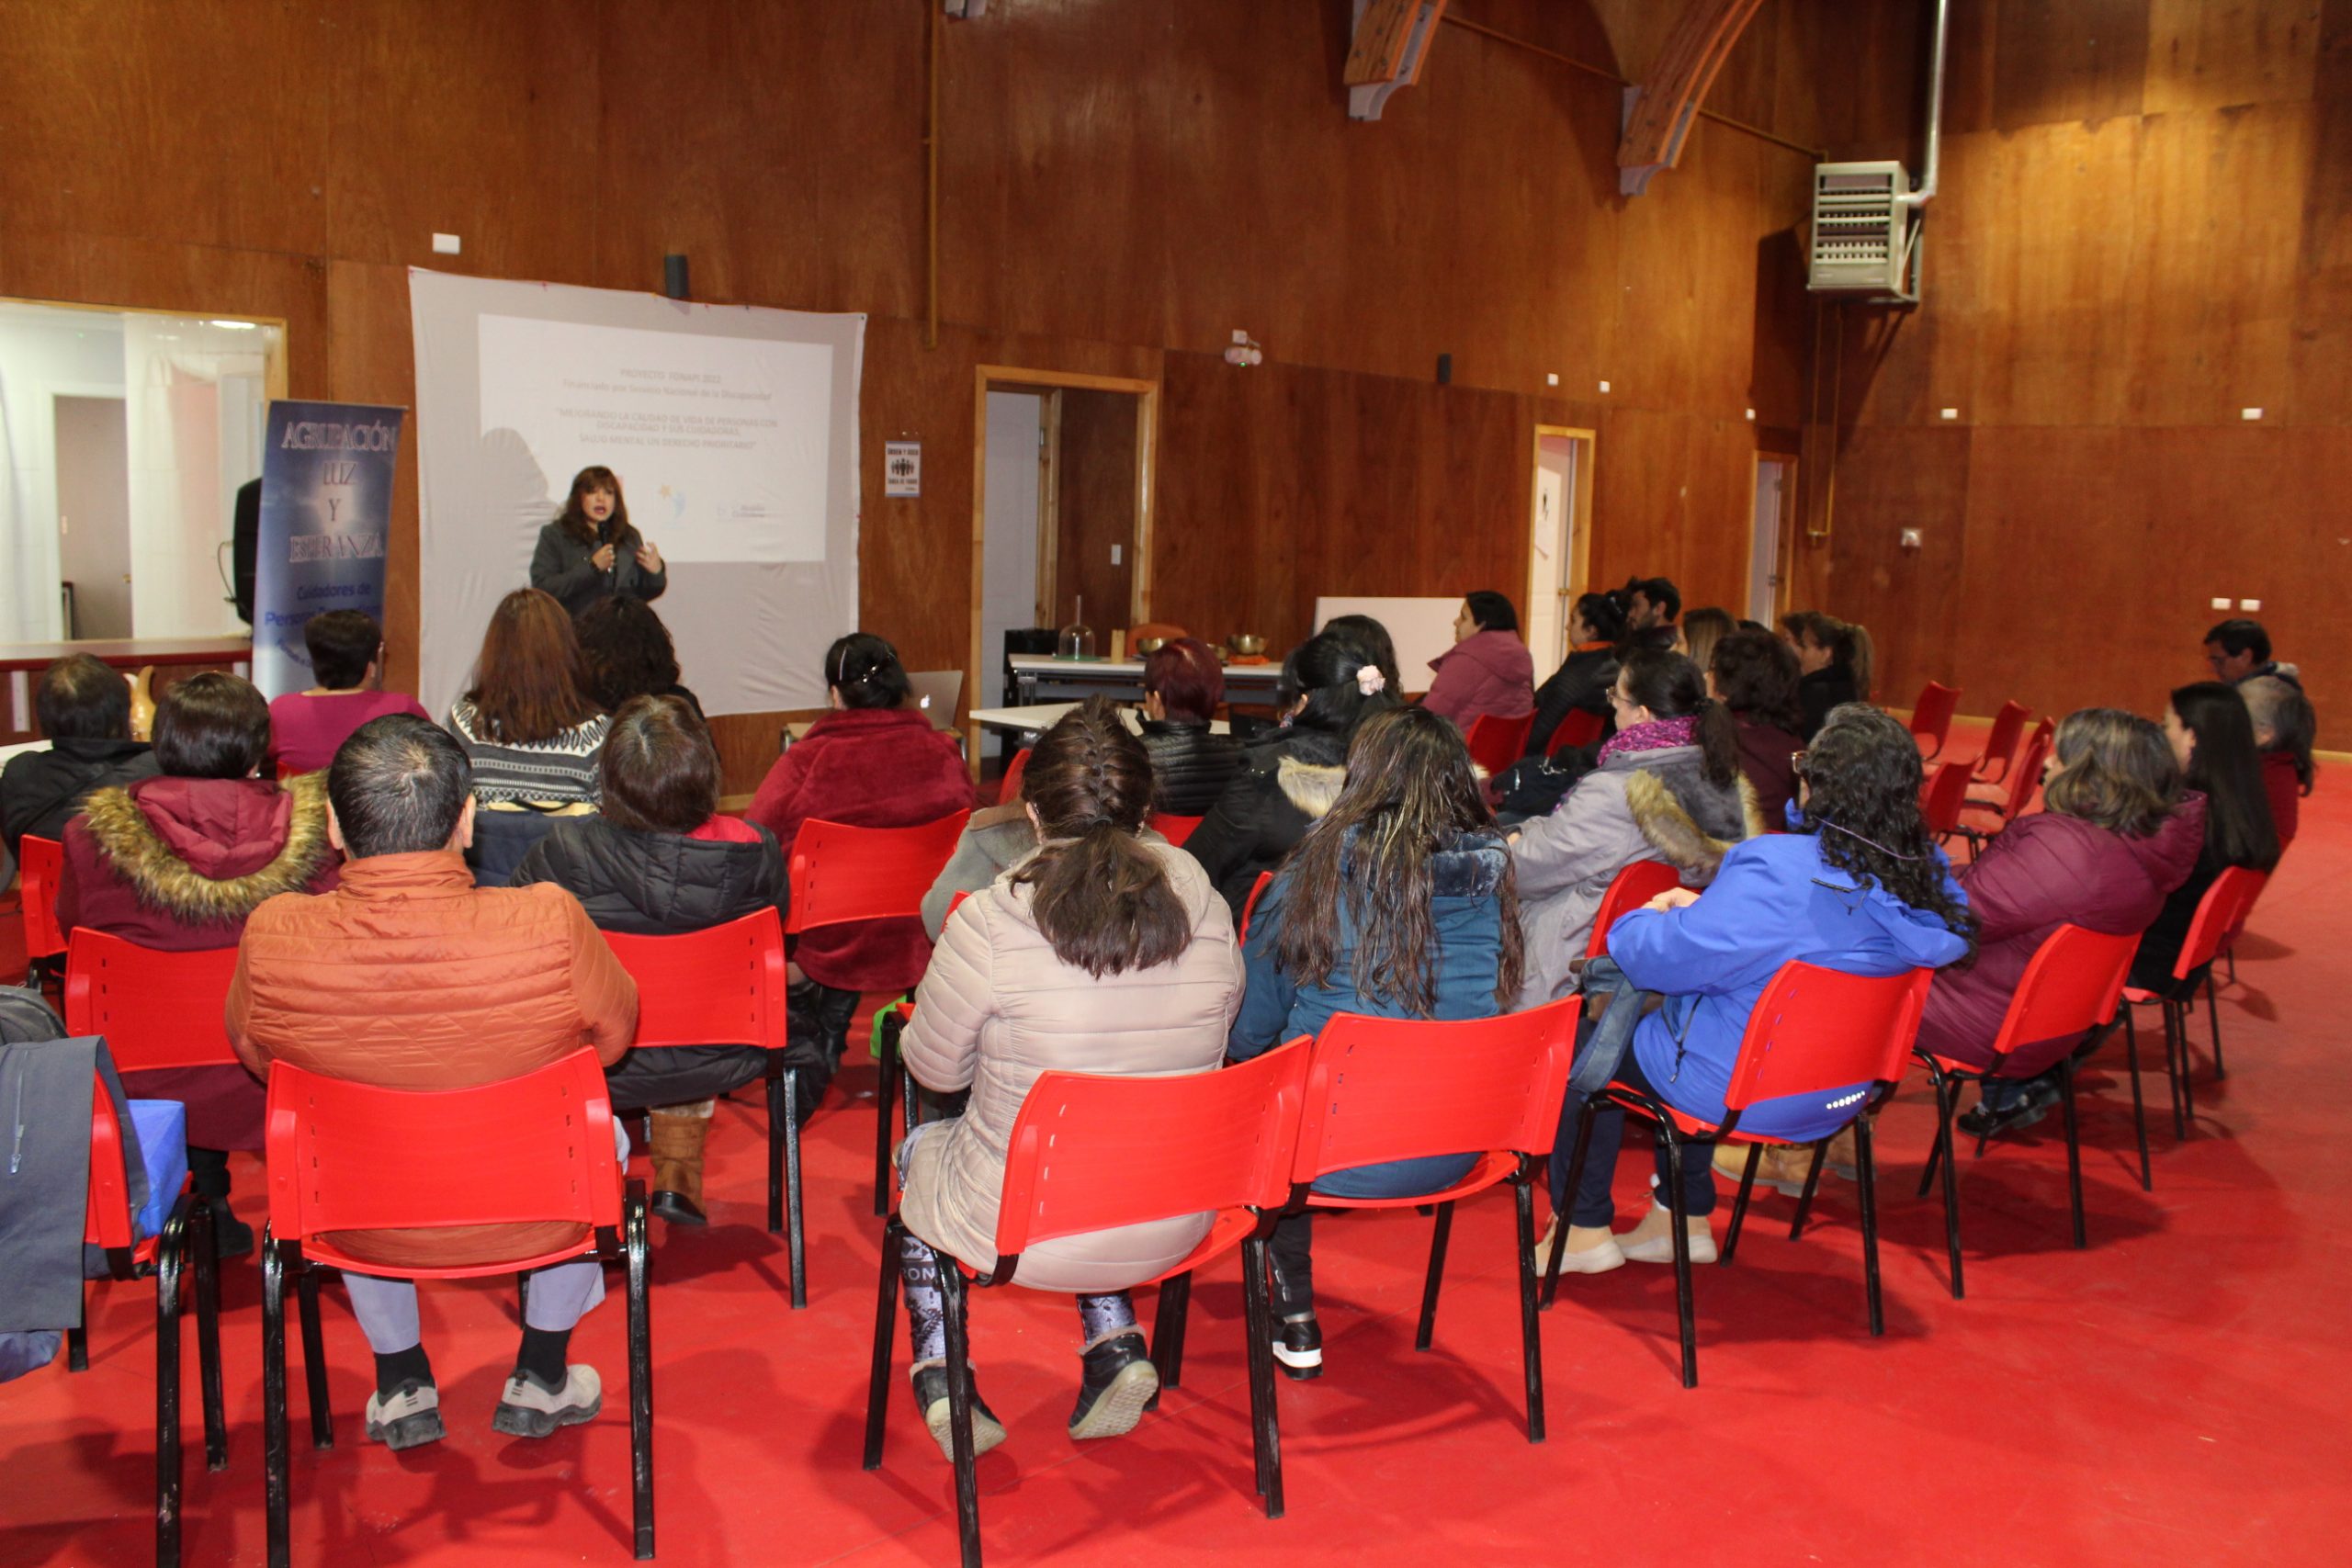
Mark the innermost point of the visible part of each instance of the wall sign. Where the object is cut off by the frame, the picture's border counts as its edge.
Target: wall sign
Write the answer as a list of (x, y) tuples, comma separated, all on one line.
[(902, 468)]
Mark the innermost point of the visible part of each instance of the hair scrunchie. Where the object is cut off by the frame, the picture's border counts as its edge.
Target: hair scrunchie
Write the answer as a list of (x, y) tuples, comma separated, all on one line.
[(1369, 680)]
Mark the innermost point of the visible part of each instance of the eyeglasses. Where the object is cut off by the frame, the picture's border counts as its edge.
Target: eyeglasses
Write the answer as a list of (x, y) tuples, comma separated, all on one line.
[(1796, 764)]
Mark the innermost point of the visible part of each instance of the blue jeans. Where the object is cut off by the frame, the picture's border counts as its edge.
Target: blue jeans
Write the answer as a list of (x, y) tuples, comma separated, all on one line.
[(1594, 1206)]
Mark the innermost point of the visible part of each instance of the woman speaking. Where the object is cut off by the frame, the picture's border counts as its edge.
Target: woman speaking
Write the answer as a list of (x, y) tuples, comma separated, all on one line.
[(592, 551)]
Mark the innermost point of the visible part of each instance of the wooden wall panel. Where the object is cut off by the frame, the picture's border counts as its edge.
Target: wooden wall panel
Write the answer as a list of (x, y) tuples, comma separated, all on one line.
[(1097, 501), (1891, 477)]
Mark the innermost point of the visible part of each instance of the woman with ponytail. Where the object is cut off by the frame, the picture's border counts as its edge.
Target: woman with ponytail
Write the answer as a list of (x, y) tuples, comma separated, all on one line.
[(1668, 787), (1105, 951), (870, 762), (1397, 904)]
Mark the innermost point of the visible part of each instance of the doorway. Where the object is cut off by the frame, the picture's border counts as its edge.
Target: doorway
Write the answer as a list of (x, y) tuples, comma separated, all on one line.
[(94, 515), (1768, 535), (1559, 539)]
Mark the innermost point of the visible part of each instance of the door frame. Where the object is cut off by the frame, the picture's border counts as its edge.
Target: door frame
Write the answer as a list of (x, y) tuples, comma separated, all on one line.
[(1578, 521), (1022, 378), (1784, 530)]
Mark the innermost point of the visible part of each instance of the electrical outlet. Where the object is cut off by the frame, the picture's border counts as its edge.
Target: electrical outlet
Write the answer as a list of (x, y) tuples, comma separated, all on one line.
[(2222, 603), (2249, 605), (1950, 413), (1604, 386), (2249, 415), (1751, 414), (445, 244), (1552, 378), (1115, 552)]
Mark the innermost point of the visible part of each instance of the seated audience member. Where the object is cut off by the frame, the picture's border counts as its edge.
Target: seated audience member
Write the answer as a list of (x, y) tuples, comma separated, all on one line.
[(347, 659), (530, 731), (84, 707), (995, 840), (627, 653), (2239, 651), (1328, 684), (1487, 670), (2284, 730), (178, 863), (869, 763), (2115, 835), (1397, 904), (1668, 787), (1754, 674), (2213, 738), (1182, 684), (1651, 601), (659, 860), (408, 976), (1583, 680), (1834, 658), (1104, 953), (1378, 647), (1858, 886), (1701, 629)]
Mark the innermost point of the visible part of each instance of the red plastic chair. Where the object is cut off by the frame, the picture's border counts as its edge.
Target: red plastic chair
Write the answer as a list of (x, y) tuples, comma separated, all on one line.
[(725, 985), (1009, 788), (1372, 1097), (842, 873), (351, 1157), (1931, 716), (2070, 988), (1092, 1153), (1249, 907), (186, 1243), (157, 1009), (1173, 829), (1943, 797), (1581, 728), (1494, 742), (2000, 743), (41, 862), (1812, 1031), (2221, 916), (1628, 890), (2016, 794)]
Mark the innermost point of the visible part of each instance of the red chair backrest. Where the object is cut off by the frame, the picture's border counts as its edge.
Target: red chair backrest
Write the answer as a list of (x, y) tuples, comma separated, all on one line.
[(1945, 796), (43, 863), (2001, 740), (1582, 728), (1931, 715), (348, 1155), (1385, 1089), (1089, 1153), (1009, 789), (2070, 987), (1175, 830), (1495, 743), (1816, 1028), (2025, 776), (722, 986), (1250, 907), (1628, 890), (842, 873), (106, 1222), (2220, 915), (157, 1009)]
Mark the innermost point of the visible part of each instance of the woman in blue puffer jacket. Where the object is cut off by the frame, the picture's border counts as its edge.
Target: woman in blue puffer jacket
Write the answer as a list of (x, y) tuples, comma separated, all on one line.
[(1858, 885), (1399, 903)]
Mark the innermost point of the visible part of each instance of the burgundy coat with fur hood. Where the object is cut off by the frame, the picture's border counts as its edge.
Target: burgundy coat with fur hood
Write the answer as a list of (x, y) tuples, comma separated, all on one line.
[(869, 767)]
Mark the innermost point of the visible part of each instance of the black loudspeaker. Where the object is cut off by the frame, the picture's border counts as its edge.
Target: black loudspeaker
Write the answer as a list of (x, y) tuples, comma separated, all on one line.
[(245, 541), (674, 277), (1445, 369)]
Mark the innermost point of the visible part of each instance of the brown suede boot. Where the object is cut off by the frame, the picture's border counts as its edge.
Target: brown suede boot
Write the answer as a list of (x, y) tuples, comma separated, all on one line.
[(676, 1151)]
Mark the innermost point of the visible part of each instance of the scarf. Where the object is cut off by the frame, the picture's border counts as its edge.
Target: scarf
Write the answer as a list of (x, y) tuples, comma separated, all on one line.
[(1655, 736)]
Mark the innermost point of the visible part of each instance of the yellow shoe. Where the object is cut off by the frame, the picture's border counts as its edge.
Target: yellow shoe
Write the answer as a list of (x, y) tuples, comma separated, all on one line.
[(1652, 1240), (1591, 1249)]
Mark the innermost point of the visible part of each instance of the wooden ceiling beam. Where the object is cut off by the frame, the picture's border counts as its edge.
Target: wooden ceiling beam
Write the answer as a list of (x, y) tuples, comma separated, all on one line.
[(1392, 38), (1660, 112)]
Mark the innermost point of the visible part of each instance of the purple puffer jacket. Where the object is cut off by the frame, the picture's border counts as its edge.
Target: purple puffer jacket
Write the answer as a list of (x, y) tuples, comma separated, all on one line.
[(1485, 672), (2043, 872)]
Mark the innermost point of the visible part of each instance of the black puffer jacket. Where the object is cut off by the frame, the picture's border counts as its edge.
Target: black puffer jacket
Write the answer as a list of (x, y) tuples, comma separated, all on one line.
[(1189, 766), (1582, 681), (40, 791), (1283, 786), (655, 884), (1825, 688)]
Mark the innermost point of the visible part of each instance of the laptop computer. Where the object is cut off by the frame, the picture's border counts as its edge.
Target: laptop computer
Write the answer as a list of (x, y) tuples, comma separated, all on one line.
[(935, 693)]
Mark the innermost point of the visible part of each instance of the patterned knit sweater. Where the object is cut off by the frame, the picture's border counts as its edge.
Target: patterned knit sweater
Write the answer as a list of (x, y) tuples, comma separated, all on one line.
[(561, 769)]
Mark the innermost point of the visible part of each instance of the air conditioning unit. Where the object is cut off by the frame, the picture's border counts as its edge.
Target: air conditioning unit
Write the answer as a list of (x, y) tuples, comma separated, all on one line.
[(1865, 232)]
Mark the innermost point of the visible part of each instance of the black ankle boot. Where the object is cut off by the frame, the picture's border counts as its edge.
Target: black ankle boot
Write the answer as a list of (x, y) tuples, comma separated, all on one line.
[(1119, 1380), (1298, 1348), (930, 1399)]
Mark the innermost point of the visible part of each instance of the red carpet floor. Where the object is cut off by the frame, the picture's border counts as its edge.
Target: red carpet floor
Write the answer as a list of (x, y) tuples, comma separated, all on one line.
[(2172, 1395)]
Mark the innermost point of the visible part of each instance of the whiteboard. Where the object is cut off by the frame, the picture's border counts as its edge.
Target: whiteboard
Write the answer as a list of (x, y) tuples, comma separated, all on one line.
[(1421, 628)]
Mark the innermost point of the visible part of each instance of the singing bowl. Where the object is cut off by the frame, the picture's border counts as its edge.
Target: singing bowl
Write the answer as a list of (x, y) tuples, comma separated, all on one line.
[(1151, 644), (1246, 645)]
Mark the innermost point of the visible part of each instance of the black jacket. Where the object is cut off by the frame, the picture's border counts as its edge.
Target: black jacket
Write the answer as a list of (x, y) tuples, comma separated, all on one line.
[(1818, 692), (565, 567), (1189, 766), (1283, 786), (1582, 681), (40, 791), (655, 884)]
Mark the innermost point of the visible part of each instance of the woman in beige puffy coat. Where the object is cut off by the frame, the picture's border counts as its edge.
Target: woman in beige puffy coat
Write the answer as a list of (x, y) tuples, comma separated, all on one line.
[(1103, 952)]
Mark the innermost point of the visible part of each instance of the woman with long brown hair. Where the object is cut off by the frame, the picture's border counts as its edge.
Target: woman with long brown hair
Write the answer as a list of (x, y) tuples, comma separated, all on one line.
[(592, 551), (529, 728), (1104, 952), (1399, 903)]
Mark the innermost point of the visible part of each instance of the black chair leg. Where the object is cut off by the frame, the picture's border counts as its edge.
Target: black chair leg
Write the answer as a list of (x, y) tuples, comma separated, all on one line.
[(77, 1338), (171, 1250), (1740, 1203), (1812, 1186), (314, 1359), (2183, 1109), (1530, 1337), (1266, 1415), (2138, 1105), (886, 1324), (1439, 1236), (639, 1258), (886, 1088), (1582, 1148), (1168, 1327), (959, 1411), (1677, 1214), (779, 1116), (2213, 1017), (1947, 1104), (795, 1244), (273, 1402), (2074, 1148), (1866, 1179)]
